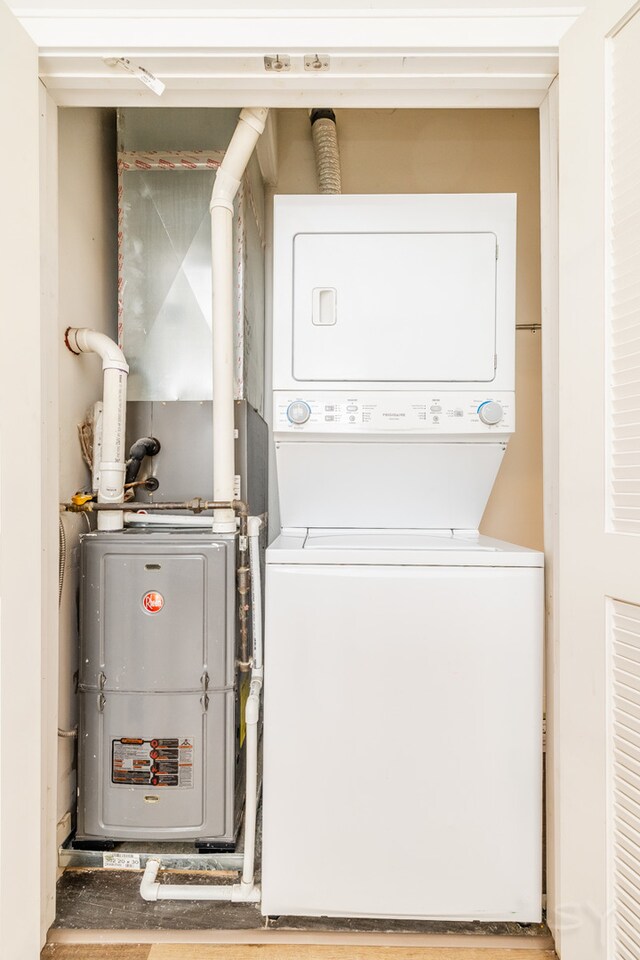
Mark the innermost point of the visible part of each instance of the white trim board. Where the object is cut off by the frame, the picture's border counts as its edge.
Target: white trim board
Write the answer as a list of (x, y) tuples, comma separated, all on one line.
[(482, 56), (288, 31), (315, 937), (381, 96), (413, 78), (549, 187)]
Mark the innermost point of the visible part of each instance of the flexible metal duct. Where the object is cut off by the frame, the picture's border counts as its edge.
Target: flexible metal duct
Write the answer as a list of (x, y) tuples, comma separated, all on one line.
[(325, 142)]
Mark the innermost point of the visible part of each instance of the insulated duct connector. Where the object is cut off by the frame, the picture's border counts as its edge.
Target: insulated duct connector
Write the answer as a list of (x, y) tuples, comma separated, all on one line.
[(325, 143)]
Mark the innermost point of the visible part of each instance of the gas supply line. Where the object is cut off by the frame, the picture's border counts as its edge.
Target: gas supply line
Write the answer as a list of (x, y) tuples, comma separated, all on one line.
[(197, 505)]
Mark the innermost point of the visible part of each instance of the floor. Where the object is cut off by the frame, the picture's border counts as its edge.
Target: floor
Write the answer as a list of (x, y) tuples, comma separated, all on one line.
[(281, 952), (101, 916), (109, 900)]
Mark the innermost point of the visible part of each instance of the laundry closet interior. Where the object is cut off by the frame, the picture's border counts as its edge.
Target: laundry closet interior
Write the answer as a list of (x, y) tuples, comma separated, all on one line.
[(344, 642)]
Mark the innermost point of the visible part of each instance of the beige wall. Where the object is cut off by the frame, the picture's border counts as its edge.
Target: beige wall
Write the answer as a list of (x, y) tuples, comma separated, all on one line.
[(87, 298), (455, 151)]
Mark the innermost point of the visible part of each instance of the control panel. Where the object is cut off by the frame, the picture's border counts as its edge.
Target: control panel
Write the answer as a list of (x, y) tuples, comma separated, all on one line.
[(409, 412)]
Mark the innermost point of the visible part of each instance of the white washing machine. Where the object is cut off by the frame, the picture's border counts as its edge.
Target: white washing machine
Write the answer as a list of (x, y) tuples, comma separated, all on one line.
[(403, 658)]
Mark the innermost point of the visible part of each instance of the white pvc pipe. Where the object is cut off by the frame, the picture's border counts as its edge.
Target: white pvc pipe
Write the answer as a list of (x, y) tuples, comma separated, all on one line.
[(246, 891), (150, 889), (253, 529), (252, 709), (250, 125), (252, 717), (223, 365), (114, 405)]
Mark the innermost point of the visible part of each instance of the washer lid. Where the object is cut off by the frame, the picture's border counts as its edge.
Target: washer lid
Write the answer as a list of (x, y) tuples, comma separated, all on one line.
[(318, 539), (385, 547)]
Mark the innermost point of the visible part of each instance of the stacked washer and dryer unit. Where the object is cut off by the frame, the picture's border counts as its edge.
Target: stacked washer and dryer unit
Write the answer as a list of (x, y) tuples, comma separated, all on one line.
[(403, 672)]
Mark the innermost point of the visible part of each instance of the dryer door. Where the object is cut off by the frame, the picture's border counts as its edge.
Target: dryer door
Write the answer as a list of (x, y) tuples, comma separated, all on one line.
[(394, 307)]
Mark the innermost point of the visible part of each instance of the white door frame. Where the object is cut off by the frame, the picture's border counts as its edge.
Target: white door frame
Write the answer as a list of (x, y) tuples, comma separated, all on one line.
[(450, 67), (26, 520), (550, 457)]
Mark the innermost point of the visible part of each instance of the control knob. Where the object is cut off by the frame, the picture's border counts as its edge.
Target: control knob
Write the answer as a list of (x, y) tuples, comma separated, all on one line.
[(490, 412), (298, 412)]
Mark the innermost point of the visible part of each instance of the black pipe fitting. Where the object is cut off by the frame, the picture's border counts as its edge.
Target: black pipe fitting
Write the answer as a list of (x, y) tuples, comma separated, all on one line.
[(321, 113), (143, 447)]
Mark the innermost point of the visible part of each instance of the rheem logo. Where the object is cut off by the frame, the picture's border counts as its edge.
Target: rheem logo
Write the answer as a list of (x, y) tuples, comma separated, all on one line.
[(152, 602)]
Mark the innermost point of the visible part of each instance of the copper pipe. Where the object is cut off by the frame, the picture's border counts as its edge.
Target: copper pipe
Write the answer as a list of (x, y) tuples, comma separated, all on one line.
[(197, 505)]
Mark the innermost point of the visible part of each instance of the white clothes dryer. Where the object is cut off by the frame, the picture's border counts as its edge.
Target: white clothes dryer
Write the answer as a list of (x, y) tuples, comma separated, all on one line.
[(403, 651)]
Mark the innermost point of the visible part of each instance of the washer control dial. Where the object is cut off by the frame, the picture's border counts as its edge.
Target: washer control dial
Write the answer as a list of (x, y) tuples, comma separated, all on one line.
[(298, 412), (490, 412)]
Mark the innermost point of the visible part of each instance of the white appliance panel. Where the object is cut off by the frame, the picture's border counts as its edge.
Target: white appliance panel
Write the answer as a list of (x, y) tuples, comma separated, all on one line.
[(396, 540), (394, 307), (393, 412), (394, 290), (385, 483), (409, 547), (402, 742)]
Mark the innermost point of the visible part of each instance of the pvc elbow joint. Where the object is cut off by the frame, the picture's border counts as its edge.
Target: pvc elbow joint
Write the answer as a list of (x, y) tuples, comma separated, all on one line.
[(148, 885), (83, 340), (245, 893), (225, 188), (237, 157), (255, 117), (252, 711), (253, 526)]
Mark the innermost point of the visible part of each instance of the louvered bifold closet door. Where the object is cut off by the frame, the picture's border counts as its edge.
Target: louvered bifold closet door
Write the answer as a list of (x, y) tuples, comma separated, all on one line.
[(624, 625), (593, 697), (624, 287)]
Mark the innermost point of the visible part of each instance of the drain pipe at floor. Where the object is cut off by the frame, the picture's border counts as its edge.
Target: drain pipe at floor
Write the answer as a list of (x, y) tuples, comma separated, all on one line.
[(246, 891)]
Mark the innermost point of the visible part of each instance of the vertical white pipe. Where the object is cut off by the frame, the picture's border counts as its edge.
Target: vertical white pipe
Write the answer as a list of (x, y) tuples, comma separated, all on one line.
[(253, 530), (223, 364), (252, 715), (114, 408), (112, 462), (252, 709), (237, 156)]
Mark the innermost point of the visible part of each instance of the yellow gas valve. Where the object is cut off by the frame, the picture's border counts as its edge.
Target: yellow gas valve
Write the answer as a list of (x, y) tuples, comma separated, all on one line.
[(79, 499)]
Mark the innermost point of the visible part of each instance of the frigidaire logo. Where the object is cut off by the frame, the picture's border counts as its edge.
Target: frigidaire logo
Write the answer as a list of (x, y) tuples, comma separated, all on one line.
[(153, 602)]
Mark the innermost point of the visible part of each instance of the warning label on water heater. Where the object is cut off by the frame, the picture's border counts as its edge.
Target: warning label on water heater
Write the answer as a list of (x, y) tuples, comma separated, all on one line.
[(160, 762)]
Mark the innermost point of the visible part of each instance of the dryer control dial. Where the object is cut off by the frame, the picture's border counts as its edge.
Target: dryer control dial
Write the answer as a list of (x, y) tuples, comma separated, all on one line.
[(298, 412), (490, 412)]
